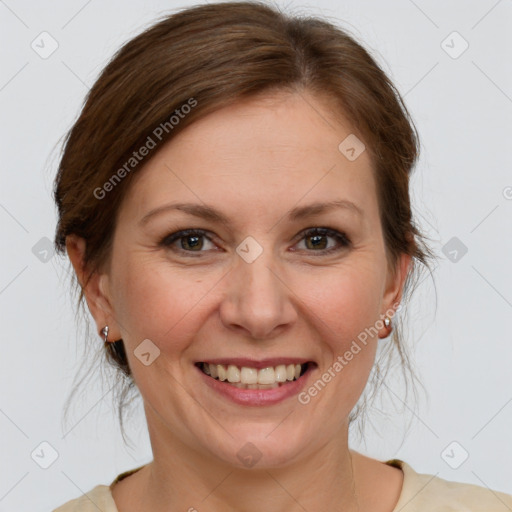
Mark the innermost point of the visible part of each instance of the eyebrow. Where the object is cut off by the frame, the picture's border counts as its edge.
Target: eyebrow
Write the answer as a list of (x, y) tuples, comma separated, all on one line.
[(209, 213)]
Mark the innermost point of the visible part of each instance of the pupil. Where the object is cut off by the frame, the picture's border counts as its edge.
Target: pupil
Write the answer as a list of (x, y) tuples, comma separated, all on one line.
[(195, 242), (317, 242)]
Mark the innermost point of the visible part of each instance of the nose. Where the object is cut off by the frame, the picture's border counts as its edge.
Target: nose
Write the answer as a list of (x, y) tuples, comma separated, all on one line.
[(258, 301)]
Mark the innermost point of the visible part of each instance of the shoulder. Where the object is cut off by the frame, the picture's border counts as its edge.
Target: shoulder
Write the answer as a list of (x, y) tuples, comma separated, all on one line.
[(424, 492), (98, 498)]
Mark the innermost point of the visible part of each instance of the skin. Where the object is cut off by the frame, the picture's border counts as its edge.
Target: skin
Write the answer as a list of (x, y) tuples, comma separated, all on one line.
[(254, 161)]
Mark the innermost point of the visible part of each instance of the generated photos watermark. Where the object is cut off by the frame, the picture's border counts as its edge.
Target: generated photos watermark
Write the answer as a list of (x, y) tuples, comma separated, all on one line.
[(139, 155), (343, 360)]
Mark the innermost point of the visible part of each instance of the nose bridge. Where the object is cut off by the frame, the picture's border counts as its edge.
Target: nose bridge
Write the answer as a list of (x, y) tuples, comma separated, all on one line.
[(259, 283), (257, 300)]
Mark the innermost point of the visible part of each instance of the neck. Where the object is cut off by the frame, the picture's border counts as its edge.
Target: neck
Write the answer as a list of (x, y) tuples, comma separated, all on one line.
[(185, 478)]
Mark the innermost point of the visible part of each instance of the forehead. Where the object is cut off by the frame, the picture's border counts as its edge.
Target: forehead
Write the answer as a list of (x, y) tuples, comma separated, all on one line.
[(278, 150)]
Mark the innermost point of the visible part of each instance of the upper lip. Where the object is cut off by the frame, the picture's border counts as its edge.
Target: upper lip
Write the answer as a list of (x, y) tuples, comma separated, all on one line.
[(257, 363)]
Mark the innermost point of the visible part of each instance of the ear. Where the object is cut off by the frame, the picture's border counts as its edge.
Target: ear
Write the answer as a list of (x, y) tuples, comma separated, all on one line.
[(95, 288), (394, 289)]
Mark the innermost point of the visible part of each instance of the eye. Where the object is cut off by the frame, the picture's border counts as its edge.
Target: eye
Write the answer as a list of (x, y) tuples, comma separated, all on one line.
[(190, 240), (316, 239)]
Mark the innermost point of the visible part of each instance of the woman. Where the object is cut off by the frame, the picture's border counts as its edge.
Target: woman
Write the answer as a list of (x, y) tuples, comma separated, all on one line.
[(234, 201)]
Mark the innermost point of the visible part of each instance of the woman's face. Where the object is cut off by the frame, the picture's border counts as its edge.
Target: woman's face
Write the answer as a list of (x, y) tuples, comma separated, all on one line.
[(255, 287)]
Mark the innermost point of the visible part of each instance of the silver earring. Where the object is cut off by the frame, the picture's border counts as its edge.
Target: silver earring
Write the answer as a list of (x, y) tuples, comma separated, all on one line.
[(104, 331), (387, 321)]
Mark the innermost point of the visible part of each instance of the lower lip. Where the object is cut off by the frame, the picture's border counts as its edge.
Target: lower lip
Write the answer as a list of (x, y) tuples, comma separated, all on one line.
[(257, 396)]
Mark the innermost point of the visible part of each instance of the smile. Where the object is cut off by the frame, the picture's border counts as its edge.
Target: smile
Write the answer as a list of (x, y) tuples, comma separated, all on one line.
[(247, 377)]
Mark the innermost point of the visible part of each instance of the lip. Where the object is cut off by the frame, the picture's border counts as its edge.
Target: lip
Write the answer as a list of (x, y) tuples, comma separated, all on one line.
[(258, 397), (256, 363)]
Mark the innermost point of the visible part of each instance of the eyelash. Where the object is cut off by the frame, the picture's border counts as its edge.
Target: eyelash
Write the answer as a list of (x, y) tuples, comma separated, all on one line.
[(342, 239)]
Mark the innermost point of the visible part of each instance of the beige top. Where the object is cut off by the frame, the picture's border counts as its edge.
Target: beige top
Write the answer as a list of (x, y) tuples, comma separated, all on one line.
[(420, 493)]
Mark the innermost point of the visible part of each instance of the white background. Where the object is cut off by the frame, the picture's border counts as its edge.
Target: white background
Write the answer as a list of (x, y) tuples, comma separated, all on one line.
[(463, 110)]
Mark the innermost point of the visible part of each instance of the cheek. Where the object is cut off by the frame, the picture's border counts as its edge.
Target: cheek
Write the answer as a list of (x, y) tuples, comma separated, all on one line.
[(346, 300), (157, 302), (345, 305)]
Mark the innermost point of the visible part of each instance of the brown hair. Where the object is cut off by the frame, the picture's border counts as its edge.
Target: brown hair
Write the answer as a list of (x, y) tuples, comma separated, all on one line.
[(209, 56)]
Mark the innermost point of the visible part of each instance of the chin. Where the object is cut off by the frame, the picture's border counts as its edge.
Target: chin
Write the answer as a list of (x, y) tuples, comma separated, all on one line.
[(269, 448)]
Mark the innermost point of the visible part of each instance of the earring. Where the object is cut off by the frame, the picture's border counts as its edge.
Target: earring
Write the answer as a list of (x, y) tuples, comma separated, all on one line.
[(104, 331), (387, 323)]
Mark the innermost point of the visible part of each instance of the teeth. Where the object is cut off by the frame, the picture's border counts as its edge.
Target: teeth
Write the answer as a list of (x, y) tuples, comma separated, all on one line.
[(266, 376), (280, 373), (252, 378), (248, 375), (233, 373), (255, 386), (221, 371)]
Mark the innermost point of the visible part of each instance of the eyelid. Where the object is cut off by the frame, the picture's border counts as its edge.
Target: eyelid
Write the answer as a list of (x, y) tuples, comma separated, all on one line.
[(170, 238), (342, 238)]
